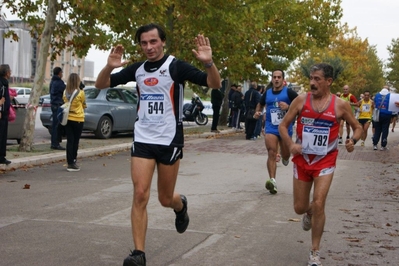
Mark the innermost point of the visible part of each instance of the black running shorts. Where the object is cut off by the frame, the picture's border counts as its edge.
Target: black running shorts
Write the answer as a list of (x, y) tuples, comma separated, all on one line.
[(162, 154)]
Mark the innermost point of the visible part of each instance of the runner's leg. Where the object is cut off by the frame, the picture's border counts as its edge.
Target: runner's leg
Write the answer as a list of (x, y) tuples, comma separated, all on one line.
[(142, 171)]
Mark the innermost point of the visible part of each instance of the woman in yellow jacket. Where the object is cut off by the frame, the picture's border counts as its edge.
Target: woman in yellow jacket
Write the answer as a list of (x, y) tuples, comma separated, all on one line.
[(76, 118)]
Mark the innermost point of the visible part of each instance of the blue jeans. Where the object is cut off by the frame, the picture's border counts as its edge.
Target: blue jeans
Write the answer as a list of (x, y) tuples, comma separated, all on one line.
[(56, 128)]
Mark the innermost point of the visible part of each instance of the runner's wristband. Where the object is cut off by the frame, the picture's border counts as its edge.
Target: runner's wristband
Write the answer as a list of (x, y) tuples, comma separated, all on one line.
[(354, 141)]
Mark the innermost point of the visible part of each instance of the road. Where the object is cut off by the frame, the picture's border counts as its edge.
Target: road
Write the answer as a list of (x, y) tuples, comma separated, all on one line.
[(82, 218)]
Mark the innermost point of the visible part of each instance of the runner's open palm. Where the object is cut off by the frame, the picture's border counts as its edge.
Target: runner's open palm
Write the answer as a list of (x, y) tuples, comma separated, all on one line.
[(204, 50), (115, 57)]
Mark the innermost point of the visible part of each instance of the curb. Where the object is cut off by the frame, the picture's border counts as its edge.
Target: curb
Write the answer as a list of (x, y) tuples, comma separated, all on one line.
[(60, 156)]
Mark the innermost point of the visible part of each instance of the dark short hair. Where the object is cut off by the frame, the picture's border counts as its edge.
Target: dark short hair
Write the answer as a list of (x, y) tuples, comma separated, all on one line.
[(147, 28), (4, 69), (282, 72), (57, 71), (327, 69)]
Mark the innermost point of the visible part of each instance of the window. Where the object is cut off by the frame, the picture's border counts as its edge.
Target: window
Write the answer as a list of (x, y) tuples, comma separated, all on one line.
[(130, 96), (91, 93), (114, 96)]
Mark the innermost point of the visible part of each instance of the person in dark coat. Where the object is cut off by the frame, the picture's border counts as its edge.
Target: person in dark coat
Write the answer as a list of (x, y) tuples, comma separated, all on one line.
[(5, 103), (233, 88), (237, 103), (57, 87), (216, 100), (251, 100)]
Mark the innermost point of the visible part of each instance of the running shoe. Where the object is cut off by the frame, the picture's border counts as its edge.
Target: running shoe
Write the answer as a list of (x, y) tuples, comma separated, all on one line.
[(383, 148), (306, 222), (375, 147), (362, 144), (271, 185), (135, 259), (285, 162), (182, 220), (340, 141), (314, 258)]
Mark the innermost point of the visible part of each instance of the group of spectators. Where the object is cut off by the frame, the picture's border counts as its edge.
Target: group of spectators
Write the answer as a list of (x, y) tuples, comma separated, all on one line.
[(60, 93)]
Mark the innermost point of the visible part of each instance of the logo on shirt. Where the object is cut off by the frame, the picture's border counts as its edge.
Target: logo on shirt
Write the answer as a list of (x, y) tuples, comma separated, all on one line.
[(316, 130), (163, 71), (329, 114), (152, 97), (307, 121), (151, 81)]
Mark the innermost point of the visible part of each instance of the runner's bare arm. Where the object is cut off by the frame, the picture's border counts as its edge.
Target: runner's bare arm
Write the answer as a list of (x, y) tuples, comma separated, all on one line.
[(293, 111)]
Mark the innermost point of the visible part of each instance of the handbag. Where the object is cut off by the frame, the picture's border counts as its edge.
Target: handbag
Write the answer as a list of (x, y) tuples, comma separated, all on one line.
[(63, 110), (376, 111), (12, 115)]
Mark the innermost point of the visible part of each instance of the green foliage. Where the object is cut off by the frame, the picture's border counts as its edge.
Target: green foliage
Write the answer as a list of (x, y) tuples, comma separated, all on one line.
[(246, 36), (355, 62), (393, 63)]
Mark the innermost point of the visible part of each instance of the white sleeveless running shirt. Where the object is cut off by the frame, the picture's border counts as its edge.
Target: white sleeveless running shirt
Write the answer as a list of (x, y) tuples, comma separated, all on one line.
[(156, 122)]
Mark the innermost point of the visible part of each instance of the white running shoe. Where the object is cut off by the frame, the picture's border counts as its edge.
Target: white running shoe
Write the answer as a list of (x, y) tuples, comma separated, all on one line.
[(314, 258), (271, 185), (306, 222)]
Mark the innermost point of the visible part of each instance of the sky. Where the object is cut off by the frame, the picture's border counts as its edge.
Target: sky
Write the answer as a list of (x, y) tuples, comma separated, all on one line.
[(375, 20)]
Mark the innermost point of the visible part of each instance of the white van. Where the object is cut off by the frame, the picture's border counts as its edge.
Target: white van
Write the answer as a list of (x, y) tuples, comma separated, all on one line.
[(23, 94)]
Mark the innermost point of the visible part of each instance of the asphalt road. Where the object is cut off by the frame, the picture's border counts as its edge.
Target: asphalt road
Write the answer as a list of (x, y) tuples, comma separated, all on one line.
[(82, 218)]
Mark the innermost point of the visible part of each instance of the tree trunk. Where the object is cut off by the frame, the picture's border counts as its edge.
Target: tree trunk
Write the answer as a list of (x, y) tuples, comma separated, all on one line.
[(30, 118), (223, 120)]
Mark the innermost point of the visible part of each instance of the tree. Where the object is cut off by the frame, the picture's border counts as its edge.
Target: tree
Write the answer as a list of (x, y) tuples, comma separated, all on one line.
[(29, 124), (393, 63), (375, 75), (348, 53), (246, 36)]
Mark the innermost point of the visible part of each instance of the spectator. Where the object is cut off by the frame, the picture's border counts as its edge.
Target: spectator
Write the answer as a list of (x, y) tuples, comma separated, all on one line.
[(216, 100), (76, 117), (233, 88), (237, 103), (57, 87), (5, 103), (251, 100)]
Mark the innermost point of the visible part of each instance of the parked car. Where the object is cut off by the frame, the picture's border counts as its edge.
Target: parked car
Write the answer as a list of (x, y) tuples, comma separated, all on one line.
[(41, 98), (109, 111), (23, 94), (15, 128)]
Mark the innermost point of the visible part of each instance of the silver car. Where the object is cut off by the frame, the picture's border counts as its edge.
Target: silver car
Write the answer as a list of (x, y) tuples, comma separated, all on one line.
[(109, 111)]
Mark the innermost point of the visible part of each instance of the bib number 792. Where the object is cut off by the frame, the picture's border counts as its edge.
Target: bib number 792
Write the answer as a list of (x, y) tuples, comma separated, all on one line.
[(320, 140)]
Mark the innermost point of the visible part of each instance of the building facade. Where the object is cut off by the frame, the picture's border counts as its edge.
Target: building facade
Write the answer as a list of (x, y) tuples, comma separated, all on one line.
[(22, 56)]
